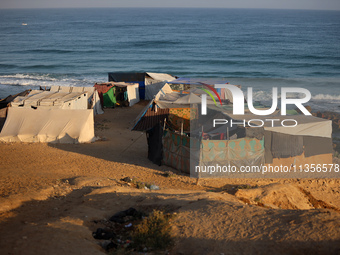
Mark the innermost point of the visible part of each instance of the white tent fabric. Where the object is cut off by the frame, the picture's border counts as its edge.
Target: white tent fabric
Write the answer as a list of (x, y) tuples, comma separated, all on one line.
[(155, 82), (161, 76), (307, 125), (189, 99), (165, 90), (48, 99), (54, 88), (51, 126), (133, 93), (67, 98), (96, 105)]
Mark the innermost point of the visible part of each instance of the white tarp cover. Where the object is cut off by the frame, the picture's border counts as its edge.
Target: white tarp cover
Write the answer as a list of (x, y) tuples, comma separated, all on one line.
[(189, 99), (67, 98), (155, 83), (307, 125), (133, 93), (92, 96), (161, 76), (48, 125)]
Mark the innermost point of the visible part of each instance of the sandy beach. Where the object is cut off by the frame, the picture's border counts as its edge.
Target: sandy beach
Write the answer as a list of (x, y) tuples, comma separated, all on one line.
[(53, 195)]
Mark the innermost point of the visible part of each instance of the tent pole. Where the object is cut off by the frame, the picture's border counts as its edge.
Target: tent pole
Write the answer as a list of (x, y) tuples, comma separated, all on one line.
[(227, 133)]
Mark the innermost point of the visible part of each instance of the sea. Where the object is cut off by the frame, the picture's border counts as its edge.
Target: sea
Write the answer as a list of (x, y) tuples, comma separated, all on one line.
[(258, 48)]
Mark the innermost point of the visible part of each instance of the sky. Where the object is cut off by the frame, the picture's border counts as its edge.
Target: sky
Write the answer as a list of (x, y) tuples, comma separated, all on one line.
[(270, 4)]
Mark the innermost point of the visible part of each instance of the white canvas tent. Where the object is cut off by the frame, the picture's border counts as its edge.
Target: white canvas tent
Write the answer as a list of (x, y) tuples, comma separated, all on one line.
[(48, 125), (57, 116)]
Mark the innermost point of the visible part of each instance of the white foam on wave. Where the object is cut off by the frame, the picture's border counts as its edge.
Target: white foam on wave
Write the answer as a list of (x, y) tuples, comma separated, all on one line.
[(267, 95), (326, 97), (43, 80), (319, 102)]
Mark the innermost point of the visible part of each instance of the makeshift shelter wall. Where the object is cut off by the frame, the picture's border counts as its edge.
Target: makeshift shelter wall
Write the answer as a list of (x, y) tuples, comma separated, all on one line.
[(133, 93), (150, 118), (177, 116), (278, 145), (52, 126), (237, 152), (151, 115), (176, 151)]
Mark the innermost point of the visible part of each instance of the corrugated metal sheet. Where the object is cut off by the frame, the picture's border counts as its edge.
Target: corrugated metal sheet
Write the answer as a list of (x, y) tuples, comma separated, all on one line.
[(151, 118)]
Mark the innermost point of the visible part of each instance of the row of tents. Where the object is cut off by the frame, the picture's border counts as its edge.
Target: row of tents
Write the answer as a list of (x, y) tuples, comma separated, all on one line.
[(177, 134), (66, 114)]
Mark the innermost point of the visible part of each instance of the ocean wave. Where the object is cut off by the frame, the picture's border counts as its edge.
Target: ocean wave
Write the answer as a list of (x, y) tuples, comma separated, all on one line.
[(265, 96), (319, 102), (7, 66), (43, 80), (58, 51), (326, 97)]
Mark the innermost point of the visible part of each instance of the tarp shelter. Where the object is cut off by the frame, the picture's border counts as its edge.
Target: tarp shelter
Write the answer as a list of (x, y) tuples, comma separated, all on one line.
[(149, 83), (55, 116), (157, 110), (111, 93), (48, 125), (309, 142)]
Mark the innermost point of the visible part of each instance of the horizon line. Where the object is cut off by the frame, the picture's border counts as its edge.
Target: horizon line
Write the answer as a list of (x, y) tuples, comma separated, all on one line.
[(139, 7)]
